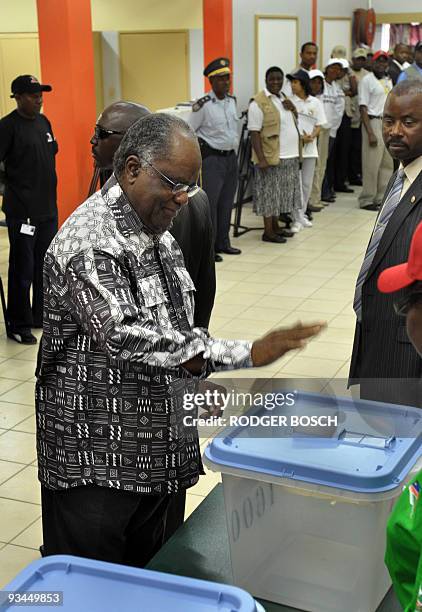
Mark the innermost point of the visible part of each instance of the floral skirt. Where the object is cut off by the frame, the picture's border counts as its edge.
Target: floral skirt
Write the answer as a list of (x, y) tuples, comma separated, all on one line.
[(277, 189)]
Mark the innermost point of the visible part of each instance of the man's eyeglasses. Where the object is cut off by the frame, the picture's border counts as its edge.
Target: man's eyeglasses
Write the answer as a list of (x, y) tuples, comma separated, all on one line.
[(101, 133), (176, 188)]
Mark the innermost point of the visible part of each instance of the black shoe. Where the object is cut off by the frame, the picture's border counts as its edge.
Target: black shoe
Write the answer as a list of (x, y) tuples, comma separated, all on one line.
[(42, 550), (309, 214), (357, 182), (314, 209), (286, 218), (23, 337), (328, 200), (371, 207), (230, 251), (344, 189), (285, 233), (217, 258), (276, 238)]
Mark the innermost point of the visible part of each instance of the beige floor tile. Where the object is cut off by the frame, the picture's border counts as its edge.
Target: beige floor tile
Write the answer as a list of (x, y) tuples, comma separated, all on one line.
[(310, 366), (344, 321), (9, 348), (192, 502), (327, 350), (28, 354), (17, 446), (305, 316), (217, 322), (271, 315), (17, 369), (322, 306), (293, 289), (23, 487), (248, 325), (334, 295), (6, 385), (13, 559), (9, 469), (12, 414), (338, 335), (238, 299), (227, 310), (31, 537), (21, 394), (275, 301), (257, 289), (230, 276), (16, 516)]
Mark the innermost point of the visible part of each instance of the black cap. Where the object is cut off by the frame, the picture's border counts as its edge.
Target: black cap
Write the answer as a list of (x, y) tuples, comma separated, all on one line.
[(299, 75), (27, 83), (217, 67)]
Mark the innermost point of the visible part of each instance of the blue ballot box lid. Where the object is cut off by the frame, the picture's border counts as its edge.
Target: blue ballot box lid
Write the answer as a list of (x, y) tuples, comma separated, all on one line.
[(95, 586), (365, 447)]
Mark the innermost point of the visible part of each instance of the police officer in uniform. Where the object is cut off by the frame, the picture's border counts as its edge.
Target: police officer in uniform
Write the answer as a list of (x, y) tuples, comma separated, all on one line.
[(215, 121)]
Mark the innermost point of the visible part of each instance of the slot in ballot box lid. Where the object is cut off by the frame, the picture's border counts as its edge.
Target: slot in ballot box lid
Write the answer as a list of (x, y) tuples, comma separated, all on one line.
[(371, 449)]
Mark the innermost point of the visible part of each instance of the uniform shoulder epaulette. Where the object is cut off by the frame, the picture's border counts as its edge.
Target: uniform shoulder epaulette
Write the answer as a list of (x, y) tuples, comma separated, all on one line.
[(230, 96), (200, 103)]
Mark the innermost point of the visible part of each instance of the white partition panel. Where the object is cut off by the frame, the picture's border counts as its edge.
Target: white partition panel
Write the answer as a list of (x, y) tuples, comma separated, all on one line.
[(276, 44), (334, 31)]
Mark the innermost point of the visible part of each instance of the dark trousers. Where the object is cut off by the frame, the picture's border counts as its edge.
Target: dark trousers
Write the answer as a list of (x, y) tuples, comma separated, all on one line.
[(26, 259), (341, 153), (355, 157), (219, 181), (175, 514), (103, 523), (328, 182)]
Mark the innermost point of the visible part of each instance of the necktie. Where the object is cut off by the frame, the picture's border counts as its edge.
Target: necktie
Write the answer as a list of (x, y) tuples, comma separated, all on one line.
[(389, 207)]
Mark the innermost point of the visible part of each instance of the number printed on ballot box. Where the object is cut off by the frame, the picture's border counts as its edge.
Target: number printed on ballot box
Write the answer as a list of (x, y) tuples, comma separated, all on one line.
[(251, 509)]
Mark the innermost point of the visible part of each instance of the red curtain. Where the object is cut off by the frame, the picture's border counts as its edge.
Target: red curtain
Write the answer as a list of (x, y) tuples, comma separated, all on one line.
[(405, 33)]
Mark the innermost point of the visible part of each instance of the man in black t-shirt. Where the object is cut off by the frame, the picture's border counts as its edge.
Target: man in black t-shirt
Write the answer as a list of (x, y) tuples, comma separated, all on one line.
[(28, 149)]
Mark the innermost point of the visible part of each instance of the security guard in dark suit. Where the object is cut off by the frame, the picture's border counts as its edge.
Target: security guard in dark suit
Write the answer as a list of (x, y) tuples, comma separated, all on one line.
[(215, 121)]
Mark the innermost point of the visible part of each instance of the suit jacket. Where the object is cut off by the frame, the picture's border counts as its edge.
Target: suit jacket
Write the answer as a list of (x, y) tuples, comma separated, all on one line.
[(394, 71), (382, 351), (193, 230)]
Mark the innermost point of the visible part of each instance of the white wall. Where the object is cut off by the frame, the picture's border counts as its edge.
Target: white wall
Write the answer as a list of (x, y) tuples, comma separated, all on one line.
[(244, 12), (196, 61), (392, 6), (112, 91)]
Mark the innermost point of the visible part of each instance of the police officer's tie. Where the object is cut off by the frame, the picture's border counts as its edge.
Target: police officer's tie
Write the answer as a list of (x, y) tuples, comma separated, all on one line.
[(389, 207)]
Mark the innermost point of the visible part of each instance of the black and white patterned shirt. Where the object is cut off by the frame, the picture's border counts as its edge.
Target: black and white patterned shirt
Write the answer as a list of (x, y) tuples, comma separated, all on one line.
[(118, 324)]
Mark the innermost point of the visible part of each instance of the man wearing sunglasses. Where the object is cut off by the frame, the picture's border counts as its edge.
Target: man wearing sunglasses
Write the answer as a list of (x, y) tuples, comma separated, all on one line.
[(120, 351), (192, 227)]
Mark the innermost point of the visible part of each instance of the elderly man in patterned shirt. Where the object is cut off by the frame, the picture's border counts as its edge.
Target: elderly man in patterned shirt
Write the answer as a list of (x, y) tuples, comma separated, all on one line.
[(119, 350)]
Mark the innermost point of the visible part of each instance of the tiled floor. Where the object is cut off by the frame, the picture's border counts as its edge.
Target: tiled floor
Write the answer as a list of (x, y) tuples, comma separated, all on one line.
[(309, 278)]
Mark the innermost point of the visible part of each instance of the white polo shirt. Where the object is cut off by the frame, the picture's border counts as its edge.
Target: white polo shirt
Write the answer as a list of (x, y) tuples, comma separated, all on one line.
[(373, 93), (312, 108), (289, 137)]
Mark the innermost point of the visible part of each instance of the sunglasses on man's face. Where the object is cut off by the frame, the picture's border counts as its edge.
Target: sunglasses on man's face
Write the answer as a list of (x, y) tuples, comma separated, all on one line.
[(101, 133)]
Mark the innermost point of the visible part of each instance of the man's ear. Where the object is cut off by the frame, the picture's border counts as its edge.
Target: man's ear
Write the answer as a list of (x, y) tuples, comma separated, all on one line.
[(132, 168)]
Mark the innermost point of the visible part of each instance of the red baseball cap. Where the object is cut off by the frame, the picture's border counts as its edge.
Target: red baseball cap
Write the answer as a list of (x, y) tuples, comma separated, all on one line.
[(379, 54), (398, 277)]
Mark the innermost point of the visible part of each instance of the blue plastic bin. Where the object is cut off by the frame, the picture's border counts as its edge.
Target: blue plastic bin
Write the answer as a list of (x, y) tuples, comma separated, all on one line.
[(307, 506), (96, 586)]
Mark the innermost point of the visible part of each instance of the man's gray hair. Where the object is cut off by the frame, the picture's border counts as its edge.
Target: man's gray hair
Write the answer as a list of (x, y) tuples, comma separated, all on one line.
[(408, 87), (150, 139)]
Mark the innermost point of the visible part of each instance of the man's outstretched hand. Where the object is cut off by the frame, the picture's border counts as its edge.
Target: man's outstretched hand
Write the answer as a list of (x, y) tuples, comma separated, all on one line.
[(277, 343)]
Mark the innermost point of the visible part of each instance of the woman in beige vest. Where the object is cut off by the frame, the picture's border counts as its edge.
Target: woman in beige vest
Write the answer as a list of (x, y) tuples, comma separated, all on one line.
[(275, 154)]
